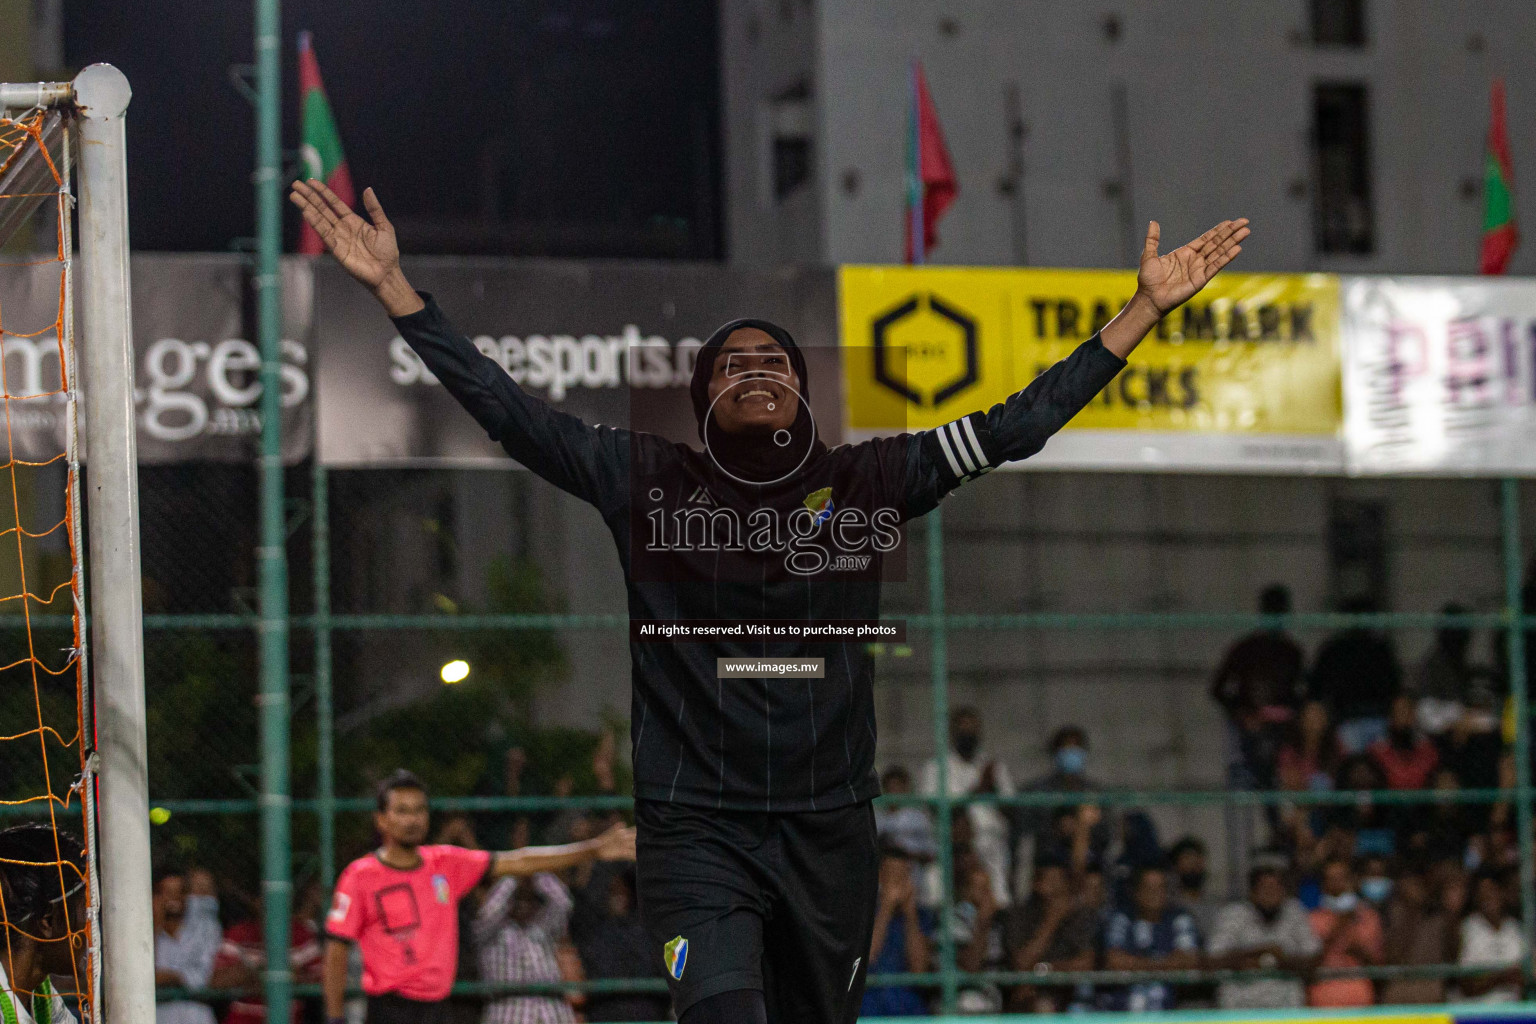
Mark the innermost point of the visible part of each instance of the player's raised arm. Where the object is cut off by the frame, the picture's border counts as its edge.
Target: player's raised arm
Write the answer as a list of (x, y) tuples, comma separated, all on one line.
[(589, 462), (939, 460), (618, 843), (366, 249), (1164, 283)]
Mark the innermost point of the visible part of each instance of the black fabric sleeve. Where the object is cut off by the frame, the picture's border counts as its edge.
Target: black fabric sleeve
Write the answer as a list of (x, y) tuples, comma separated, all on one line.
[(589, 462), (941, 459)]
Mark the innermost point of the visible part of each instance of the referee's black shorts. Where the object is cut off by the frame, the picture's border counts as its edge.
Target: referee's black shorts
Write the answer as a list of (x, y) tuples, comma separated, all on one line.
[(782, 903)]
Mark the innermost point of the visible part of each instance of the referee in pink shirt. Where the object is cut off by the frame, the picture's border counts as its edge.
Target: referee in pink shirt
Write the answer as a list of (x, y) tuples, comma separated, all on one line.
[(400, 905)]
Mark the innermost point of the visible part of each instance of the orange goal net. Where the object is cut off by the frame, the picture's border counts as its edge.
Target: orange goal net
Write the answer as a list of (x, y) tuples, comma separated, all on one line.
[(46, 733)]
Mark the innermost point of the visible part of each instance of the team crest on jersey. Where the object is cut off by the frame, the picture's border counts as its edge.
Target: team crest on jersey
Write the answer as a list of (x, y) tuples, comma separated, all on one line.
[(440, 888), (676, 955), (820, 504)]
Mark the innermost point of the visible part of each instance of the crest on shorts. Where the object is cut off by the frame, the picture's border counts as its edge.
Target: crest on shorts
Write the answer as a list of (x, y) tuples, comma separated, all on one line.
[(676, 955), (820, 504), (440, 888)]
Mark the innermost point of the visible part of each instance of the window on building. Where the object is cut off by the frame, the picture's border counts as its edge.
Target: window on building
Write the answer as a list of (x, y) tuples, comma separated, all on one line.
[(1343, 216), (1338, 22), (789, 119)]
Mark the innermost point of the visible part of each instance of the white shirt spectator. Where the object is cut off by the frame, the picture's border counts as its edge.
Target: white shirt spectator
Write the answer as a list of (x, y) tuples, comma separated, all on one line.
[(20, 1007), (1240, 927), (989, 827), (189, 953), (1483, 945), (513, 953)]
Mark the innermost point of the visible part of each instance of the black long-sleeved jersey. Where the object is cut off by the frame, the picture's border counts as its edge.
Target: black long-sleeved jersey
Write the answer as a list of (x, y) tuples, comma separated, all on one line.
[(697, 543)]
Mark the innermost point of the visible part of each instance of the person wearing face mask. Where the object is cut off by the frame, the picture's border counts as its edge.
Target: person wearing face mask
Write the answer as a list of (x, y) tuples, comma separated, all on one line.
[(1068, 774), (1351, 935), (973, 773), (1267, 931), (1187, 857), (187, 939), (1405, 756), (1375, 873)]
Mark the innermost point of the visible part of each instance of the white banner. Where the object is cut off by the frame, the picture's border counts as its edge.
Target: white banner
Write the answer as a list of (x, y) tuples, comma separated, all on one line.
[(1439, 376)]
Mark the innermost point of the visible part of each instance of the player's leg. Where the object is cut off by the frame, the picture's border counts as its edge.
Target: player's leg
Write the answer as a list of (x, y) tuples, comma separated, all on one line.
[(816, 942), (703, 900)]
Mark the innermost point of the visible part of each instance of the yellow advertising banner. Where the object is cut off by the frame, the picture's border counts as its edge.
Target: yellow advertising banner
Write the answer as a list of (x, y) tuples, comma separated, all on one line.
[(1252, 354)]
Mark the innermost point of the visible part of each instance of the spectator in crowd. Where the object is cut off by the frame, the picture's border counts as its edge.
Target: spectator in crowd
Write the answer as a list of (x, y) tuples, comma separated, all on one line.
[(1051, 930), (907, 827), (972, 773), (1095, 897), (44, 905), (931, 890), (977, 929), (1187, 858), (202, 893), (1407, 758), (1268, 930), (900, 940), (1418, 931), (1376, 880), (1472, 747), (1373, 826), (1439, 831), (1070, 840), (1260, 684), (1357, 674), (243, 956), (613, 943), (185, 947), (1068, 774), (1490, 937), (1351, 936), (1152, 935), (1309, 752), (1443, 683), (1308, 757), (517, 930)]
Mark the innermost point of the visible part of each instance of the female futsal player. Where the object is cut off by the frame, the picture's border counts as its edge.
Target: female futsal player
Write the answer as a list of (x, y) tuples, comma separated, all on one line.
[(757, 861)]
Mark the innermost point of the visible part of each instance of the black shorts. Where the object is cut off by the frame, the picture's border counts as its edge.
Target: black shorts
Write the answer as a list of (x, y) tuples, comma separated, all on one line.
[(393, 1009), (782, 903)]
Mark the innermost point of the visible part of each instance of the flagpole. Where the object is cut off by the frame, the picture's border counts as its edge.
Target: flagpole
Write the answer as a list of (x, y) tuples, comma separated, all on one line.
[(915, 170)]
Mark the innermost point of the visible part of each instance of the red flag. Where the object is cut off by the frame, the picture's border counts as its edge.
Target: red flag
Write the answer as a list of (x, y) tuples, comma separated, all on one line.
[(931, 183), (321, 148), (1500, 233)]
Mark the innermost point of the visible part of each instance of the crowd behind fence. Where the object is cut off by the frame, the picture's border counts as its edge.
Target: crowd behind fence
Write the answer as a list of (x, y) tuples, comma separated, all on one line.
[(1365, 769)]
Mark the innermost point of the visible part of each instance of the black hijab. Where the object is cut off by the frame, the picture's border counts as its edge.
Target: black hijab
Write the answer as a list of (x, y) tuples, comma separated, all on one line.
[(753, 458)]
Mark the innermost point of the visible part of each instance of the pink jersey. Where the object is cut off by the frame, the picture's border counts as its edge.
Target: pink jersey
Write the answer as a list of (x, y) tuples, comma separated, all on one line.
[(406, 922)]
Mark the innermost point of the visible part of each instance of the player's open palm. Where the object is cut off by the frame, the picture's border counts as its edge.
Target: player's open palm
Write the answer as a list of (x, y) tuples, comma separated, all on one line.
[(367, 250), (1171, 280)]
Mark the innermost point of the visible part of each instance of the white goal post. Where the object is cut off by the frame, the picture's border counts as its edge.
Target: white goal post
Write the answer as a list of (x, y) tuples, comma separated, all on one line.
[(94, 105)]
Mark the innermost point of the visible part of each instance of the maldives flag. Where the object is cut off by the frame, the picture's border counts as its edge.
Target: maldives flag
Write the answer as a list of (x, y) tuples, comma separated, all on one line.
[(321, 149), (1500, 234), (931, 184)]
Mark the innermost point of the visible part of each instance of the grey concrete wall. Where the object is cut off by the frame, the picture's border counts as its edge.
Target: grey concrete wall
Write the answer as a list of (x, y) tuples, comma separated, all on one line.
[(1219, 104)]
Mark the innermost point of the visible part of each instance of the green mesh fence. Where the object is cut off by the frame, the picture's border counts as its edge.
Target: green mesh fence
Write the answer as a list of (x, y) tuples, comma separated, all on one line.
[(504, 775)]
